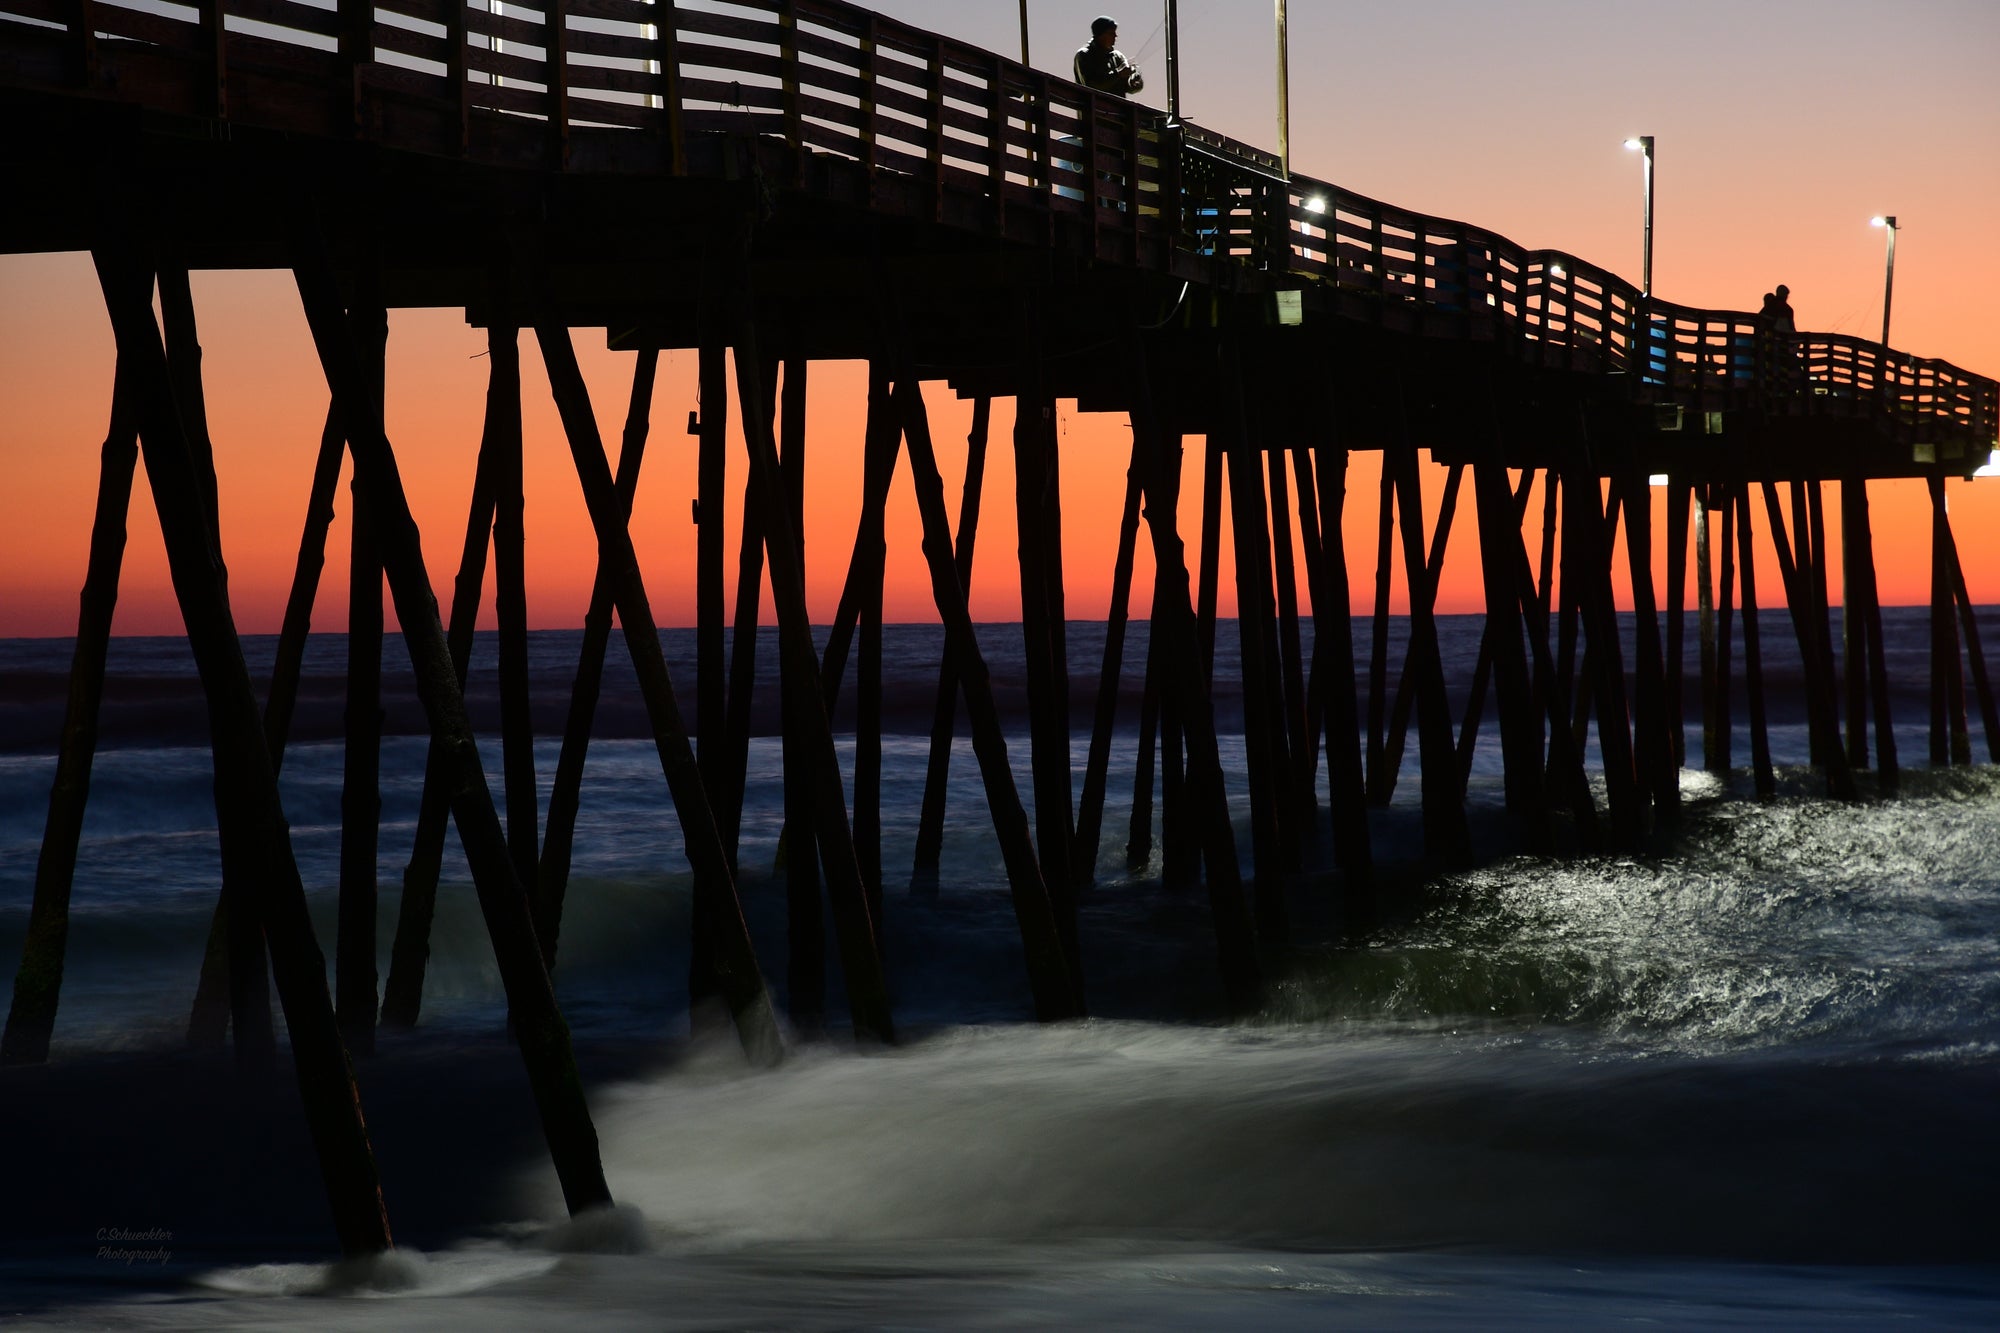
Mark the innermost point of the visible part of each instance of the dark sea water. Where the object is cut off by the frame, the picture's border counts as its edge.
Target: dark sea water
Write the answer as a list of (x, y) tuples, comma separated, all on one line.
[(1749, 1079)]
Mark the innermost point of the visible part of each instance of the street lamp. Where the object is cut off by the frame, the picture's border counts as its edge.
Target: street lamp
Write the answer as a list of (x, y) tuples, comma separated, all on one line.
[(1284, 97), (1888, 224), (1644, 144)]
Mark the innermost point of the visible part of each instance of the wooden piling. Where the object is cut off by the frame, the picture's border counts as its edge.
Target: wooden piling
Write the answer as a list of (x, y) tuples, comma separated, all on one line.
[(1975, 655), (1859, 544), (1178, 628), (1499, 517), (824, 801), (1090, 811), (38, 982), (1305, 758), (1333, 623), (517, 731), (1654, 755), (247, 968), (1056, 996), (711, 475), (1265, 764), (1951, 741), (1037, 512), (882, 446), (1409, 675), (1378, 652), (355, 979), (734, 959), (1726, 589), (289, 660), (1821, 709), (402, 994), (1853, 620), (1445, 834), (1753, 657), (245, 781), (1211, 553), (937, 772), (804, 778), (1712, 744), (1139, 826), (565, 795), (1301, 802), (539, 1029), (1680, 498)]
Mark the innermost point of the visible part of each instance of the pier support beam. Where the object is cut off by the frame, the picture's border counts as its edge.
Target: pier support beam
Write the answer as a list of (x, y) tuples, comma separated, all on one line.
[(1753, 653), (735, 960), (517, 733), (1056, 994), (565, 796), (937, 774), (1184, 677), (355, 981), (538, 1024), (1090, 812), (1333, 626), (826, 812), (402, 995), (1038, 516), (38, 983), (245, 780), (1445, 834)]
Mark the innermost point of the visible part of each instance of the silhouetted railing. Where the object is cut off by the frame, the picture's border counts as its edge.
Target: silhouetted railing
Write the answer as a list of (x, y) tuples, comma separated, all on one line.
[(538, 84)]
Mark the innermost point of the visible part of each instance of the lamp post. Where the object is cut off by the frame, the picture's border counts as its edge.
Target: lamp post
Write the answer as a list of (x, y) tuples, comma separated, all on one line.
[(1888, 224), (1024, 33), (1644, 144), (1284, 100), (1173, 60)]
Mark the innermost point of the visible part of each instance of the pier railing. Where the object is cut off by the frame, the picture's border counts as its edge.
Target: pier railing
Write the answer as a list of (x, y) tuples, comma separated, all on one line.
[(984, 140)]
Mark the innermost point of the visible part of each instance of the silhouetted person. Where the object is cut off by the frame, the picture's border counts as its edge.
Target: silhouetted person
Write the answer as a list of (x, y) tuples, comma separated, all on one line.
[(1779, 327), (1777, 312), (1101, 66)]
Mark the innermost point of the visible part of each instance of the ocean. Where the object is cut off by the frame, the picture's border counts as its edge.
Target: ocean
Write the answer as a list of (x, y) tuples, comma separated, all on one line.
[(1747, 1079)]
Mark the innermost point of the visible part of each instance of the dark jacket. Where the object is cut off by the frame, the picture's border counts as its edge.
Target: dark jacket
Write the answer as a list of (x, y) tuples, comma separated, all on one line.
[(1102, 70)]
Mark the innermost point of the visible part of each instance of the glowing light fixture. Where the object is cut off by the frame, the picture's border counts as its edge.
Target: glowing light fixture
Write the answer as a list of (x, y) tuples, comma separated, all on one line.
[(1888, 223), (1316, 204), (1644, 144)]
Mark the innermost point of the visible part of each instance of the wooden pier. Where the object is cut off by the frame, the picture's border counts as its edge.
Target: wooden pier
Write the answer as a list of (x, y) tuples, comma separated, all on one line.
[(774, 182)]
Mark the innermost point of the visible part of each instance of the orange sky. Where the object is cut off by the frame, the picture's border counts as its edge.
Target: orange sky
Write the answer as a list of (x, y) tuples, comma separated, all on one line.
[(1781, 128)]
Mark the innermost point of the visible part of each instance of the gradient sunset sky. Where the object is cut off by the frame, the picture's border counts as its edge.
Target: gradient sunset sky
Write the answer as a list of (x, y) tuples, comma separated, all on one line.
[(1782, 125)]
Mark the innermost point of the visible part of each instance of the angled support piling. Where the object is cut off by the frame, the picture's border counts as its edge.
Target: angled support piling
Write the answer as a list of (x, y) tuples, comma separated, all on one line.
[(565, 795), (247, 968), (403, 993), (1038, 525), (854, 933), (38, 982), (539, 1029), (1090, 812), (1753, 652), (735, 960), (1184, 675), (1333, 625), (944, 715), (517, 732), (245, 777), (1056, 995), (355, 980)]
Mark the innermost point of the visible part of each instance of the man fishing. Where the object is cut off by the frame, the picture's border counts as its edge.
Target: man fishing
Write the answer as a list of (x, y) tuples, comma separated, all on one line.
[(1101, 66)]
